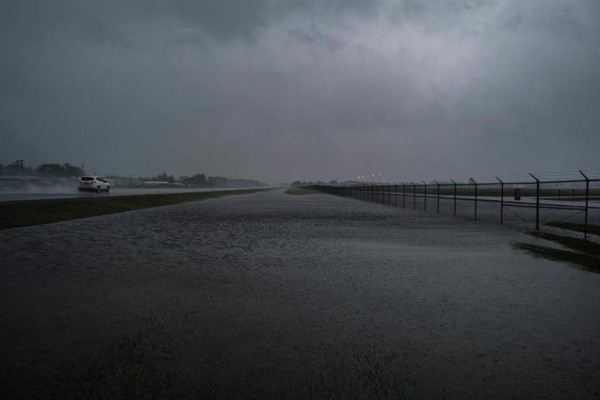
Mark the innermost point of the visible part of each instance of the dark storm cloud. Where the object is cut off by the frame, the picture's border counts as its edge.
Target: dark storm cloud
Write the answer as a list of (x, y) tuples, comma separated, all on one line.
[(108, 20), (302, 89), (315, 37)]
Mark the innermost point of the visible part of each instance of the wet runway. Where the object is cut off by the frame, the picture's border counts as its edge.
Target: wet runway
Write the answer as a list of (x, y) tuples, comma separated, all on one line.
[(274, 296)]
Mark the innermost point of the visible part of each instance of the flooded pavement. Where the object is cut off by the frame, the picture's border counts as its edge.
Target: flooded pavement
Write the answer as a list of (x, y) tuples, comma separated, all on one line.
[(274, 296)]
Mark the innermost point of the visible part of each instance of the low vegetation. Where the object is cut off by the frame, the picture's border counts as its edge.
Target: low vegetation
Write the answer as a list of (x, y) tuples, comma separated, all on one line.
[(584, 254), (300, 191), (577, 227), (35, 212), (581, 245)]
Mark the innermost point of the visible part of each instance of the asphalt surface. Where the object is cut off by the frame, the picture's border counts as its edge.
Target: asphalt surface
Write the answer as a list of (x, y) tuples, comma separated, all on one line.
[(274, 296)]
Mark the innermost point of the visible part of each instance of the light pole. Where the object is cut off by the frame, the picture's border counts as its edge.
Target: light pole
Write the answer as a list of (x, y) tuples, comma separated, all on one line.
[(20, 162)]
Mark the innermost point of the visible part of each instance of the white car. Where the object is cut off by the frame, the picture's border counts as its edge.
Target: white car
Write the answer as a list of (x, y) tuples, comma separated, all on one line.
[(94, 183)]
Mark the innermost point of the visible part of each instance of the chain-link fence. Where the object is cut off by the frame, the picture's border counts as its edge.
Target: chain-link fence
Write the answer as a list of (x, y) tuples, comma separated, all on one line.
[(560, 200)]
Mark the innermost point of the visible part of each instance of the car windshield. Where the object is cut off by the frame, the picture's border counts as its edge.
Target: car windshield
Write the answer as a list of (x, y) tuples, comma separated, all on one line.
[(87, 178)]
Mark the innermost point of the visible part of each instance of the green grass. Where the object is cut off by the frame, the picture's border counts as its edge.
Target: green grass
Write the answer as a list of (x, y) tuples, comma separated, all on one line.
[(584, 254), (300, 191), (35, 212), (583, 261), (577, 227), (581, 245)]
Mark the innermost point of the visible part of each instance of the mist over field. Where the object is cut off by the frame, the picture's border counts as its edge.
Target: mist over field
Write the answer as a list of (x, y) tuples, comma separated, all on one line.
[(304, 90)]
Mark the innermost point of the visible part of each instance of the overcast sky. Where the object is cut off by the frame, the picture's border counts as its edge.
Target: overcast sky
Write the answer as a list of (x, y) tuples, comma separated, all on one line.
[(302, 89)]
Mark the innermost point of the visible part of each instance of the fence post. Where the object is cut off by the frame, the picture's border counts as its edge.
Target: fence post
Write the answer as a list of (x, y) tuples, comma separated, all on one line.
[(414, 195), (395, 195), (473, 180), (587, 198), (501, 201), (403, 195), (454, 183), (537, 202), (438, 196)]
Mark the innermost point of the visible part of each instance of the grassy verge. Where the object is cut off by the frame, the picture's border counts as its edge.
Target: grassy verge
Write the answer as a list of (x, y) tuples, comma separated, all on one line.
[(583, 261), (586, 254), (300, 191), (581, 245), (573, 226), (35, 212)]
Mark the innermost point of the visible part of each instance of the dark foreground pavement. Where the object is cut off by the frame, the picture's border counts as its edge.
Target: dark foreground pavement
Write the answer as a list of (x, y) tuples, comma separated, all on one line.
[(274, 296)]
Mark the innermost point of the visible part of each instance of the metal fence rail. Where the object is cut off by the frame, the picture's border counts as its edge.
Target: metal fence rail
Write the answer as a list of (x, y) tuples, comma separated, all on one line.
[(550, 200)]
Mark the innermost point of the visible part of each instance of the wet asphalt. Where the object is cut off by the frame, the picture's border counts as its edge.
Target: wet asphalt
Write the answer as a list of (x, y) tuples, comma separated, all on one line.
[(267, 295)]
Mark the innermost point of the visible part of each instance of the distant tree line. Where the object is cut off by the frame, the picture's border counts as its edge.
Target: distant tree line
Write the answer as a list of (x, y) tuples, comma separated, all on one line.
[(67, 170), (202, 180), (59, 170), (47, 170), (163, 178)]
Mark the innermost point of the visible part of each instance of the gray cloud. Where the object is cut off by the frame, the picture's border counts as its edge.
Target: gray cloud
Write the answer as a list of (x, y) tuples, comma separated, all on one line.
[(315, 37), (302, 89)]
